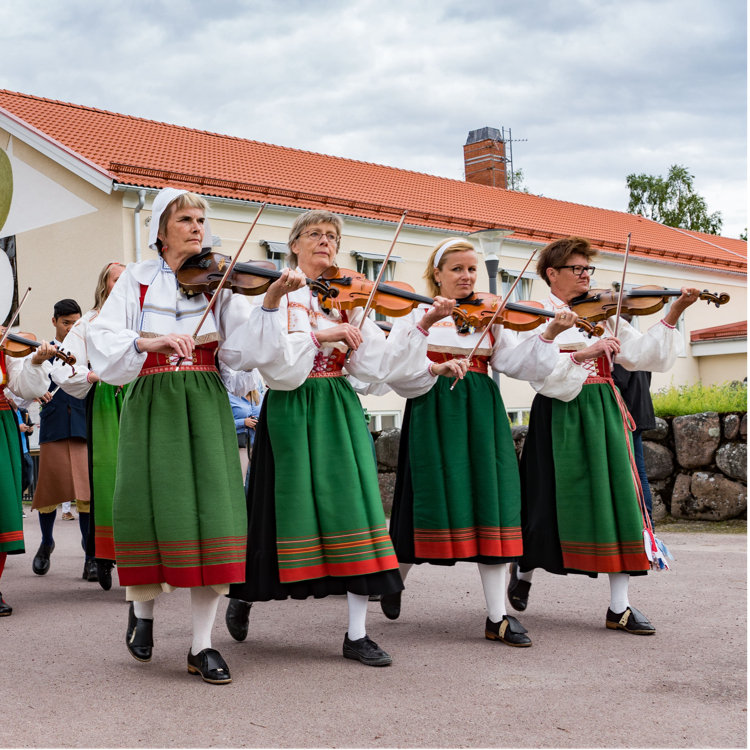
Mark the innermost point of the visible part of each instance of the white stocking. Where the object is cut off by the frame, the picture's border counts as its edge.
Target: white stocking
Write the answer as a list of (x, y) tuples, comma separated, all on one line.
[(403, 569), (144, 610), (524, 576), (204, 602), (618, 592), (357, 615), (493, 583)]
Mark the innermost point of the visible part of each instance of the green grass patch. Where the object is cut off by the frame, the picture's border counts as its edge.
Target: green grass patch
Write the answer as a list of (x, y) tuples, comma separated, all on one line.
[(676, 401)]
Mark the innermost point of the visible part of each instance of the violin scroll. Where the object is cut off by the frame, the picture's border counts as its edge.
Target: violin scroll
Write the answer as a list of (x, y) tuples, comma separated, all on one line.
[(716, 299)]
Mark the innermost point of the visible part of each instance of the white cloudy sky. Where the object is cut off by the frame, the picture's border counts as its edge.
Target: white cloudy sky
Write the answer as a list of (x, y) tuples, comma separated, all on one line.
[(598, 88)]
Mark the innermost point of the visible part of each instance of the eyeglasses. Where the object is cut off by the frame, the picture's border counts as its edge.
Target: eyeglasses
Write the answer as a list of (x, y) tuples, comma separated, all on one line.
[(315, 236), (580, 270)]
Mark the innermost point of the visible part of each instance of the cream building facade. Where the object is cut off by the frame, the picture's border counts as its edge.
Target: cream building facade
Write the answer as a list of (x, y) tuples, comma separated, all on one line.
[(69, 217)]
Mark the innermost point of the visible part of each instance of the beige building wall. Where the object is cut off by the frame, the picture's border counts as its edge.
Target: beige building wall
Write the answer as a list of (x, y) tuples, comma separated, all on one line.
[(64, 260)]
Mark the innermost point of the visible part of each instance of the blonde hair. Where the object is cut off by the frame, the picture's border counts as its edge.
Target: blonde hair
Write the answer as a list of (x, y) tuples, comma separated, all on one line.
[(101, 293), (184, 200), (458, 245), (303, 221)]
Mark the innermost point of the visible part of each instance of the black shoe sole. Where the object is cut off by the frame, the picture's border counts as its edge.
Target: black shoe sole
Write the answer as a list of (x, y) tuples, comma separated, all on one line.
[(350, 654), (490, 636), (617, 626), (197, 672)]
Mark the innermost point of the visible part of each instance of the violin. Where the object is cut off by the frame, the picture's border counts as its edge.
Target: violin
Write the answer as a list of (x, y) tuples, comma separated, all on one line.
[(203, 273), (599, 304), (475, 312), (396, 298), (23, 344)]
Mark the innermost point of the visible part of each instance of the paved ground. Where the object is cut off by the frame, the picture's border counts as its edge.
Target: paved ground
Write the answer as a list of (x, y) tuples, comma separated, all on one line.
[(68, 680)]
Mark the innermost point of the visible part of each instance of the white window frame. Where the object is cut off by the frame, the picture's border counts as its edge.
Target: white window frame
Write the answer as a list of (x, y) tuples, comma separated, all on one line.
[(376, 422)]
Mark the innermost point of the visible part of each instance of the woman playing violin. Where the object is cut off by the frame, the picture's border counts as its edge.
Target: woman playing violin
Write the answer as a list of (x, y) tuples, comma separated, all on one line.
[(457, 495), (581, 509), (103, 406), (27, 378), (178, 506), (316, 521)]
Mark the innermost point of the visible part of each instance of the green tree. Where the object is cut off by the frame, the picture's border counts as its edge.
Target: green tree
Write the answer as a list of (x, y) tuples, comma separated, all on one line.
[(671, 201), (515, 180)]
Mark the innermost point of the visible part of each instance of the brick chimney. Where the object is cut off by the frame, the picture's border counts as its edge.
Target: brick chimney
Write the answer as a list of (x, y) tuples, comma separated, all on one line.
[(484, 158)]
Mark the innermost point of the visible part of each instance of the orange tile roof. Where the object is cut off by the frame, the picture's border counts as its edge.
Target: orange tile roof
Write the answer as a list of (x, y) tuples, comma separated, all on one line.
[(153, 154), (726, 331)]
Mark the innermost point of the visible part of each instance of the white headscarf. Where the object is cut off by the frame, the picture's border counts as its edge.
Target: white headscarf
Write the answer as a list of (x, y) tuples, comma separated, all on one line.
[(160, 204), (162, 200)]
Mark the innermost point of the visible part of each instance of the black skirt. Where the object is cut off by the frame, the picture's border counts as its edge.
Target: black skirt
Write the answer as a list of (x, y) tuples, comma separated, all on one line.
[(262, 581)]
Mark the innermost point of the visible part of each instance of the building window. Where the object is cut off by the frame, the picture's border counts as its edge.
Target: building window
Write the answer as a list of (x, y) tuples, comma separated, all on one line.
[(519, 416), (523, 288), (384, 420), (276, 252), (370, 264)]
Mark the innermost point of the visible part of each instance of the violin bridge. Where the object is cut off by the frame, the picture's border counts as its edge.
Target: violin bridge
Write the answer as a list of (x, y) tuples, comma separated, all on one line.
[(222, 264)]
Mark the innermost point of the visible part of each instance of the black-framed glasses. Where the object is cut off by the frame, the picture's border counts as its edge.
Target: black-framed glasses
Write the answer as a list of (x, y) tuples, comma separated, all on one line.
[(580, 270), (315, 236)]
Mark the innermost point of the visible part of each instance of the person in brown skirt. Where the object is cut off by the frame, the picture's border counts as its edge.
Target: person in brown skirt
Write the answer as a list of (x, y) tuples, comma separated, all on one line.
[(63, 457)]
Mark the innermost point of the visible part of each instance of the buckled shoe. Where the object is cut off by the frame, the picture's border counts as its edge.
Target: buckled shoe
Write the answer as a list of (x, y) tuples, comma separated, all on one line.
[(237, 618), (631, 621), (508, 630), (518, 590), (140, 636), (210, 665)]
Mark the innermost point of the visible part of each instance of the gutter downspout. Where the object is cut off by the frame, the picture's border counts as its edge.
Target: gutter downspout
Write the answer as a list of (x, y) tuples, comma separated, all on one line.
[(137, 224)]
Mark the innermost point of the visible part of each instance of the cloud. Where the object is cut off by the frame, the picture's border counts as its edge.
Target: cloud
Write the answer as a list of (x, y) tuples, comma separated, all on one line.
[(597, 88)]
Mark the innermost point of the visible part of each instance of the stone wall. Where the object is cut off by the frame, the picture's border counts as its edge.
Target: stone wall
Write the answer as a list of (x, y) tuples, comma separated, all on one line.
[(696, 465)]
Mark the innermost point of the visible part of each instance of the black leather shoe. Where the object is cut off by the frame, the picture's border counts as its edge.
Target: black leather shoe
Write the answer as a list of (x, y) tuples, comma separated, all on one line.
[(93, 575), (104, 573), (518, 591), (631, 621), (508, 630), (5, 609), (237, 618), (40, 564), (140, 636), (366, 651), (210, 666), (391, 605)]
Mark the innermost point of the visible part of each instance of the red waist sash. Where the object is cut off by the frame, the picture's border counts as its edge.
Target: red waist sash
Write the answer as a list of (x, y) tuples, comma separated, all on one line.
[(477, 363), (203, 359)]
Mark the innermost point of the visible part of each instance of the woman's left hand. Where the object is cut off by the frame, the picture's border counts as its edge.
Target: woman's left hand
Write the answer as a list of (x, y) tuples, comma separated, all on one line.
[(688, 297), (43, 352), (563, 320), (441, 308), (290, 280)]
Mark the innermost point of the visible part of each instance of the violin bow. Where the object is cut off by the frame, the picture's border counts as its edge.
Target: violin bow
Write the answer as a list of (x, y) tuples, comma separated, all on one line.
[(229, 270), (368, 306), (14, 318), (622, 286), (374, 289), (497, 312)]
